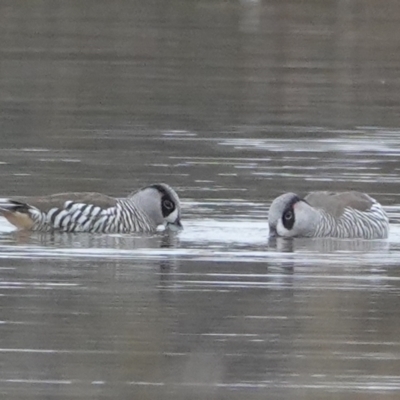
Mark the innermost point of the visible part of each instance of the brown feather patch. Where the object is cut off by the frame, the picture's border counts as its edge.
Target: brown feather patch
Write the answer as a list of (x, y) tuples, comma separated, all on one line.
[(20, 220)]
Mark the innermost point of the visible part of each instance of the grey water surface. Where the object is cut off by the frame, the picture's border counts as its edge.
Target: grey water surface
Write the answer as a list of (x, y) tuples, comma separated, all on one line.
[(231, 103)]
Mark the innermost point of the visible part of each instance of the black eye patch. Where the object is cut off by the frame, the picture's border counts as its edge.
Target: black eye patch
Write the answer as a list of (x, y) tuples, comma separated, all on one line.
[(288, 218), (167, 205)]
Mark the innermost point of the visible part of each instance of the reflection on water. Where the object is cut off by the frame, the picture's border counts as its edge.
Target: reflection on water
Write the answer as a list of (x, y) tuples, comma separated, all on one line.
[(330, 245), (232, 103), (199, 311), (209, 325)]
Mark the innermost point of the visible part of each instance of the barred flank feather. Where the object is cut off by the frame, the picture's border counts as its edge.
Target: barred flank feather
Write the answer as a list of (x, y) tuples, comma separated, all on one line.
[(80, 217), (370, 224)]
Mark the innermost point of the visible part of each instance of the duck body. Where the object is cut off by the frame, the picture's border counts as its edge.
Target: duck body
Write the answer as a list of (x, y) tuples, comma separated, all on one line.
[(327, 214), (143, 211)]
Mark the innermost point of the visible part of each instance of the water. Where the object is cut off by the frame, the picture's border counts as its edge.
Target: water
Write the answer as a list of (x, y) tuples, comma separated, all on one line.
[(232, 103)]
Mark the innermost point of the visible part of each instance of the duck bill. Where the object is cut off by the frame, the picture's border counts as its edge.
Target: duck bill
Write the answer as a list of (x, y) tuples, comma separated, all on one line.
[(175, 226)]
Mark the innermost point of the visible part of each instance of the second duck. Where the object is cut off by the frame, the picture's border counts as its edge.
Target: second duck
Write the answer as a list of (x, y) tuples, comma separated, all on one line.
[(327, 214)]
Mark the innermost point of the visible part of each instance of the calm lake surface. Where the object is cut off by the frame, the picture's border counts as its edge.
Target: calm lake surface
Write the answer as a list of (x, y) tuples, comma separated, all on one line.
[(231, 103)]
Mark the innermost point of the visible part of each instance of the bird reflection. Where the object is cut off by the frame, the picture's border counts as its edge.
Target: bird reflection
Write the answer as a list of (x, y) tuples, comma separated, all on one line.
[(327, 245), (165, 239), (154, 248)]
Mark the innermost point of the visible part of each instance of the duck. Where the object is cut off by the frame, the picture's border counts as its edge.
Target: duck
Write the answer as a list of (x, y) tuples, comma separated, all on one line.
[(343, 215), (144, 211)]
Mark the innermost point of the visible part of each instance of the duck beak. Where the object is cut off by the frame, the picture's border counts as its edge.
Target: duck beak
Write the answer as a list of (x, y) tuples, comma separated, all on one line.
[(175, 226), (272, 232)]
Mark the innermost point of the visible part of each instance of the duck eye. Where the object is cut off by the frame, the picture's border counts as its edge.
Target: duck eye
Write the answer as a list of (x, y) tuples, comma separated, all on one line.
[(167, 204), (288, 215)]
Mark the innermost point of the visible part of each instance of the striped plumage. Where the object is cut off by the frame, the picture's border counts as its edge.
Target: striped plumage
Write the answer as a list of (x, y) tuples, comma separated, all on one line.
[(326, 214), (143, 211)]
